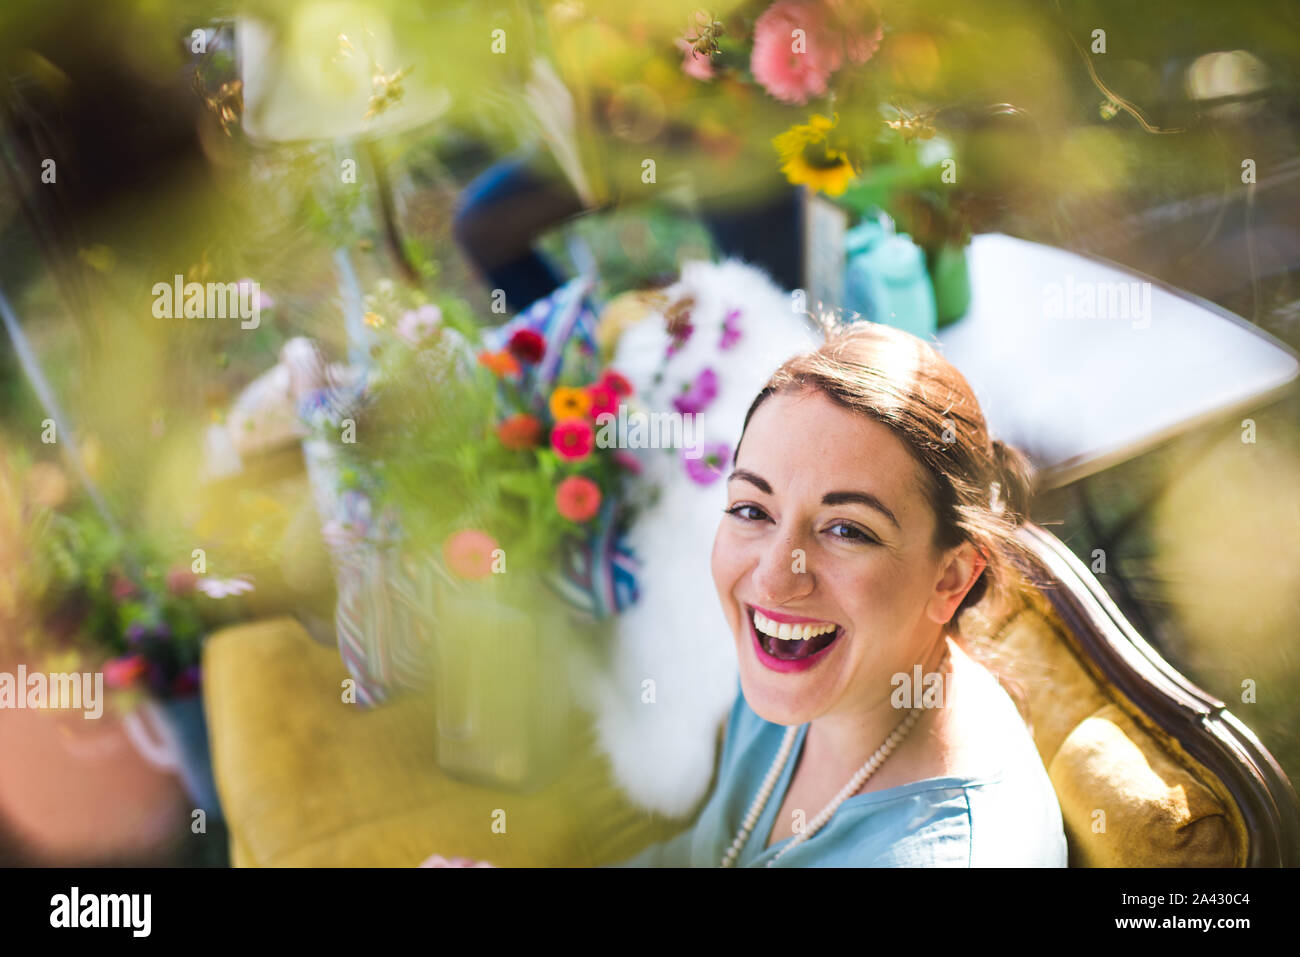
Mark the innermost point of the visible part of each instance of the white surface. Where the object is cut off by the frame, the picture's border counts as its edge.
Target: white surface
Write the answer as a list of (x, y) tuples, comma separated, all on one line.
[(1081, 394)]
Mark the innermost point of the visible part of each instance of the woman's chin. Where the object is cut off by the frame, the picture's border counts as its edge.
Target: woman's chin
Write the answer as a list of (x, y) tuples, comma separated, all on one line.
[(784, 697)]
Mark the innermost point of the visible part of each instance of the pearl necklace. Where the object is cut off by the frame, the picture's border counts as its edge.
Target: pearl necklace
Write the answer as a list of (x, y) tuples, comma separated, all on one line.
[(855, 784)]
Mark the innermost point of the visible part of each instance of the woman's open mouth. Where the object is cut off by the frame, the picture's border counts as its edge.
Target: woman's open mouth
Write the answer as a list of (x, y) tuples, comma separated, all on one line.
[(785, 644)]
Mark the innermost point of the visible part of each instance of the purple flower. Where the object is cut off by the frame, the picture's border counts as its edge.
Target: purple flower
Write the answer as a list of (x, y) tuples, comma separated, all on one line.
[(708, 466), (135, 634), (730, 329), (680, 329), (697, 396)]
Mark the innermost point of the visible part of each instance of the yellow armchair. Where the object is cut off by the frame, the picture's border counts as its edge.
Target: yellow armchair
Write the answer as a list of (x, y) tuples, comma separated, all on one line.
[(1150, 771)]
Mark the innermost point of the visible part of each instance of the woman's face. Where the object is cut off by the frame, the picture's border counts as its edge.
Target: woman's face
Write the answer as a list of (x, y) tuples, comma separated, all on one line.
[(828, 533)]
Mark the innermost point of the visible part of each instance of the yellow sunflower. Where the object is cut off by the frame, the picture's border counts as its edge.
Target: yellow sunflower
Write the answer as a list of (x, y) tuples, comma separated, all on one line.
[(808, 158)]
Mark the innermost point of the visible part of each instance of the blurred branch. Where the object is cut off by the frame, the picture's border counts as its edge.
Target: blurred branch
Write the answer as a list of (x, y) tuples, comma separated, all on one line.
[(1113, 99)]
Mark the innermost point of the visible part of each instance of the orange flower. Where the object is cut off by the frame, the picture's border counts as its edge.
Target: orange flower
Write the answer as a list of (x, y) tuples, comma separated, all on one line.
[(567, 403), (521, 431), (501, 363)]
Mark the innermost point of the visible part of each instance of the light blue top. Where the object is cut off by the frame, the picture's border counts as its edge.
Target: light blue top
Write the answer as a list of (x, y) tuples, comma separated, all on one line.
[(1005, 817)]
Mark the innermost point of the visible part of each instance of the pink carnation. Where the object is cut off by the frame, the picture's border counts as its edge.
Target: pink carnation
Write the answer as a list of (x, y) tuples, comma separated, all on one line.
[(796, 66), (795, 52)]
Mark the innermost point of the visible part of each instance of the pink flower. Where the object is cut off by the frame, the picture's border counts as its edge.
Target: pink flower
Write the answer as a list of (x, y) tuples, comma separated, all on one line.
[(707, 467), (578, 498), (416, 325), (795, 51), (573, 439), (698, 66), (604, 400), (468, 553)]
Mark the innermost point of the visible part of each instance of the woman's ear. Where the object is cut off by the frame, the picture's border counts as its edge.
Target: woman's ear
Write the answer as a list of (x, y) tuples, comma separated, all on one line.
[(962, 567)]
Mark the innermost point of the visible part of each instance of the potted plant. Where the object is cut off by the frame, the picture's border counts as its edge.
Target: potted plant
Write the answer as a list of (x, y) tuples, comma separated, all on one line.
[(112, 605)]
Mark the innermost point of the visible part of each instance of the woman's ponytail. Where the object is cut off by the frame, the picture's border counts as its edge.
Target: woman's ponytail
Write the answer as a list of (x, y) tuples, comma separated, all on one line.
[(1014, 478)]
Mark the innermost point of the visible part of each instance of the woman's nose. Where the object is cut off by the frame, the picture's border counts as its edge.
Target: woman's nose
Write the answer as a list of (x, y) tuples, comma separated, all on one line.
[(782, 573)]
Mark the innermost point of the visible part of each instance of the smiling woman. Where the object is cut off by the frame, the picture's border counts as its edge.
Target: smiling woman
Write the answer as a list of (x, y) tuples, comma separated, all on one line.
[(867, 508)]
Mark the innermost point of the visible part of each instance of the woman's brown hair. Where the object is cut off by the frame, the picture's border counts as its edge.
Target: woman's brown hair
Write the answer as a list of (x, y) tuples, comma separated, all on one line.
[(979, 487)]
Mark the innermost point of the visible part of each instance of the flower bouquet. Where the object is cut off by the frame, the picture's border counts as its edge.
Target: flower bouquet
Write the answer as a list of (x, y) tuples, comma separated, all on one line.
[(474, 479)]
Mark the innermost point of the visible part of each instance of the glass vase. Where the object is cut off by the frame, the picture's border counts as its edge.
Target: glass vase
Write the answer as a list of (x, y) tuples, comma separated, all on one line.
[(502, 692)]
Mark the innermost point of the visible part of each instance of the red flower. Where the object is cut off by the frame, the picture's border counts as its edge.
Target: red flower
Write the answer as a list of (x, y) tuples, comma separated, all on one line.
[(123, 672), (573, 439), (577, 498), (603, 400), (527, 346), (520, 431), (616, 382), (468, 553)]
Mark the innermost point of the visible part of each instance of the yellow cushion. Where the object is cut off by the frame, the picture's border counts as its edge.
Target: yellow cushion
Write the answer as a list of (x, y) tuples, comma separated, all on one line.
[(308, 780), (1126, 803), (1160, 807)]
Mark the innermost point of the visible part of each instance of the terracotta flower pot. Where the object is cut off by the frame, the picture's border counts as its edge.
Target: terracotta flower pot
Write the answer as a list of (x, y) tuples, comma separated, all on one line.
[(74, 791)]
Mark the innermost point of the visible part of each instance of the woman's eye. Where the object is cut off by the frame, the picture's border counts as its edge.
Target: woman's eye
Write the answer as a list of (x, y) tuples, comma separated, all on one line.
[(748, 513), (850, 533)]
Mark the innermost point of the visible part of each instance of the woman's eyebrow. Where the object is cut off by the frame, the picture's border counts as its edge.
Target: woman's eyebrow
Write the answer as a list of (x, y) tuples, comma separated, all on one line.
[(755, 480), (861, 498), (830, 498)]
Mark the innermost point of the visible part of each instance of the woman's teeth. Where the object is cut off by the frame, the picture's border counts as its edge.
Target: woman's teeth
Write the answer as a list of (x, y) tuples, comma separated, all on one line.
[(793, 642), (789, 632)]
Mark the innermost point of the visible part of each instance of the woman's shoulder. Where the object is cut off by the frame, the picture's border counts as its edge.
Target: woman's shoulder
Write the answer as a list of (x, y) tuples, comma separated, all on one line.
[(958, 822)]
